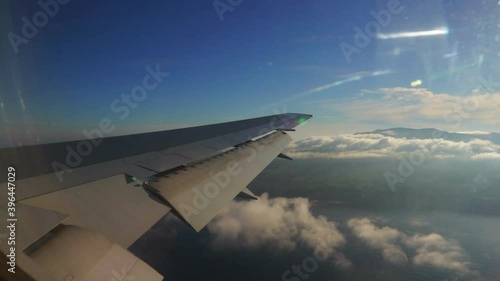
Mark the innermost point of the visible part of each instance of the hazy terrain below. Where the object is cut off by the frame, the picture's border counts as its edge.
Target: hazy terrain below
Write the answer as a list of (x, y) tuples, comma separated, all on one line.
[(440, 220)]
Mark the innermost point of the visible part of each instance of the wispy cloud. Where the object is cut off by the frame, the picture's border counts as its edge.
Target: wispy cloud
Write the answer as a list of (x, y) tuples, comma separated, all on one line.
[(426, 249), (345, 79), (378, 145), (280, 223), (436, 251), (284, 224), (384, 239), (422, 107)]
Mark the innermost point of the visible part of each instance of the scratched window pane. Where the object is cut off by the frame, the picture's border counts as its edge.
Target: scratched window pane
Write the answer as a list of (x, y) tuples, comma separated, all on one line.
[(151, 140)]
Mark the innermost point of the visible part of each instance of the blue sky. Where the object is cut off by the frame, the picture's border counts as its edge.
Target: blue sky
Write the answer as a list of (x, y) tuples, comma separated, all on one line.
[(263, 57)]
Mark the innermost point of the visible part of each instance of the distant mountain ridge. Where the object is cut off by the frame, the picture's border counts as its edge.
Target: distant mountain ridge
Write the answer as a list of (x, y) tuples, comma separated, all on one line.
[(430, 133)]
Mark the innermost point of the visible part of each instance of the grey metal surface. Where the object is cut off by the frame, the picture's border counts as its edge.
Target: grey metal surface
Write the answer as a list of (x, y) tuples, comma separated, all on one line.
[(198, 193), (31, 224), (37, 160), (120, 211), (102, 194), (75, 253), (141, 155)]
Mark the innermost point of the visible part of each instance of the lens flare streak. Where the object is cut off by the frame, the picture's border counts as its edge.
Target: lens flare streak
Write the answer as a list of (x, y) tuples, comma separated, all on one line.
[(413, 34)]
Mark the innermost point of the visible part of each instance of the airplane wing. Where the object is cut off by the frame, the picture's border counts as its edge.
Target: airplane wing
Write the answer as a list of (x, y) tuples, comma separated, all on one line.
[(77, 206)]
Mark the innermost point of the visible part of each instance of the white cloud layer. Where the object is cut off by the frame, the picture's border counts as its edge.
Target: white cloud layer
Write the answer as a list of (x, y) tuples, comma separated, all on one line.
[(429, 250), (418, 105), (434, 250), (376, 145), (384, 239), (283, 223)]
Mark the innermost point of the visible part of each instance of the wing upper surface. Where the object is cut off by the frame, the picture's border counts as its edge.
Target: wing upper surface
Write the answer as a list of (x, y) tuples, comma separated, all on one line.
[(200, 192), (120, 186), (50, 167)]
